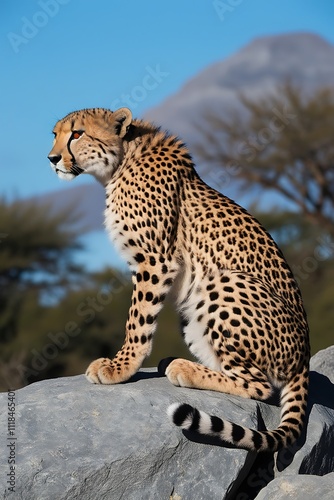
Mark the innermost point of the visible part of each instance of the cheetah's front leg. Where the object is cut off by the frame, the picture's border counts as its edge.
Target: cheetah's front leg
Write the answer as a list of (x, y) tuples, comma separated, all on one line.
[(150, 288)]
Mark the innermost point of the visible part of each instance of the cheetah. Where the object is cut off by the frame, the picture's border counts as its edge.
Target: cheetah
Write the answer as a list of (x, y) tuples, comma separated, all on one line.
[(241, 310)]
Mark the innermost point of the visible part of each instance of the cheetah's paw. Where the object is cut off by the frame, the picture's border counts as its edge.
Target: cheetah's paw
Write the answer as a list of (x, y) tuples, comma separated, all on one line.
[(180, 372), (100, 371)]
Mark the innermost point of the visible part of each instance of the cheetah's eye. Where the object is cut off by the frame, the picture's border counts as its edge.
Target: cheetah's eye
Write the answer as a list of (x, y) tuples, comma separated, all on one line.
[(76, 134)]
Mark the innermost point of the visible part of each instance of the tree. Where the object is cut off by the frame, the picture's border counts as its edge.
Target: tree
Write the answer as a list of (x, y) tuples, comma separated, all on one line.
[(36, 247), (36, 262), (283, 142)]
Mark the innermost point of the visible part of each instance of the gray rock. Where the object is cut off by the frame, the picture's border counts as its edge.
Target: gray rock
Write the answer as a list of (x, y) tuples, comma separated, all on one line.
[(80, 441), (323, 362), (299, 487), (74, 440)]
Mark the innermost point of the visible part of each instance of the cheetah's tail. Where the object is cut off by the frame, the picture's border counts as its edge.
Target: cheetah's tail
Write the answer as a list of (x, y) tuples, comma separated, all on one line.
[(293, 403)]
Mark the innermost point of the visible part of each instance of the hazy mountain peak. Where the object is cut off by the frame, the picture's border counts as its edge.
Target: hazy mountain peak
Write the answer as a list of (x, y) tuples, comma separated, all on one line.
[(258, 68), (285, 41)]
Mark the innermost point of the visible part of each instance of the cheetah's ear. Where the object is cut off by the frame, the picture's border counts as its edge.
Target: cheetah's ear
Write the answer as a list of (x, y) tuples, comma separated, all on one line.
[(122, 118)]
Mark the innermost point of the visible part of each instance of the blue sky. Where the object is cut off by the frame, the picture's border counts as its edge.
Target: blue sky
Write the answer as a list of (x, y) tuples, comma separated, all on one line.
[(61, 55)]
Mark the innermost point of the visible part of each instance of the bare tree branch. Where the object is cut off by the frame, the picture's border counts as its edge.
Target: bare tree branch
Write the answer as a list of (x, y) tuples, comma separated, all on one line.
[(283, 142)]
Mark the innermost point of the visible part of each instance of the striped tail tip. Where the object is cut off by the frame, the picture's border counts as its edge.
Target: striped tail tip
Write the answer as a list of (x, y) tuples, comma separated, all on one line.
[(189, 418), (181, 414)]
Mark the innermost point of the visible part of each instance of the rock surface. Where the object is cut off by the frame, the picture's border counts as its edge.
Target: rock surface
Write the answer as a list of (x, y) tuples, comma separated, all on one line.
[(75, 440), (305, 487), (80, 441), (323, 362)]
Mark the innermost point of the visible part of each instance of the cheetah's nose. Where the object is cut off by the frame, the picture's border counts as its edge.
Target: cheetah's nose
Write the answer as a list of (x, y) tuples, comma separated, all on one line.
[(54, 159)]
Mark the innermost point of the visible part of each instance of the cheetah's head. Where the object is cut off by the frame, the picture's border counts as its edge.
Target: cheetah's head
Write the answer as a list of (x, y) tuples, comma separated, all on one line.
[(89, 141)]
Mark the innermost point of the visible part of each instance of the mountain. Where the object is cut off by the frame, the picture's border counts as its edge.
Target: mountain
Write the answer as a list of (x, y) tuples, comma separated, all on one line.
[(302, 58), (257, 69)]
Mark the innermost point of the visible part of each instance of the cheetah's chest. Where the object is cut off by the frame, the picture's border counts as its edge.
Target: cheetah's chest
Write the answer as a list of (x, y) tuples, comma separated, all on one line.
[(119, 229)]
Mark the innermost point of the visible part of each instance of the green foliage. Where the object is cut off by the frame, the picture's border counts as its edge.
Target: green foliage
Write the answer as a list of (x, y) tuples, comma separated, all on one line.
[(36, 260), (36, 246), (36, 250)]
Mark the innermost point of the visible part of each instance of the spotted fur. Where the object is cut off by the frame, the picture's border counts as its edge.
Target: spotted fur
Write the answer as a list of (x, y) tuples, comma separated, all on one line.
[(241, 309)]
